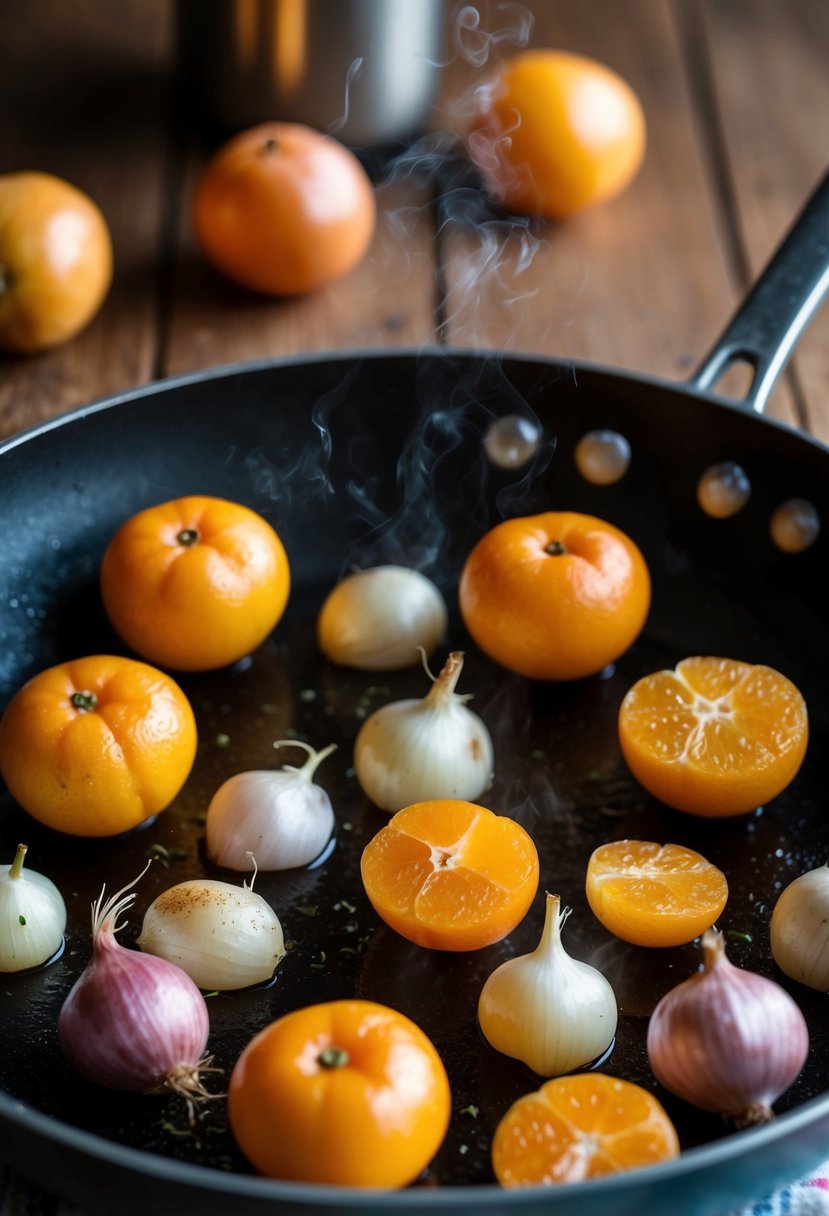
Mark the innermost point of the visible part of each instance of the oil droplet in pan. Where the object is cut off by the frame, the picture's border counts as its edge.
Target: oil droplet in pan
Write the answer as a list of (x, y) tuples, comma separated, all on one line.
[(723, 490), (602, 457), (795, 525), (510, 442)]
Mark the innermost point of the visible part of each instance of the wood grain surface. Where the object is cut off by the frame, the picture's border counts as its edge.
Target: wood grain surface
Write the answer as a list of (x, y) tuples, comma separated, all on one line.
[(731, 89)]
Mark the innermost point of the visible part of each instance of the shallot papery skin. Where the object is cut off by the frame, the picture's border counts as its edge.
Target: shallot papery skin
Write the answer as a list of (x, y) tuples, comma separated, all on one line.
[(727, 1040), (133, 1021)]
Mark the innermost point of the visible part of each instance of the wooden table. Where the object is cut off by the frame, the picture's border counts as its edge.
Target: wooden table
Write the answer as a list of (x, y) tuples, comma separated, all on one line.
[(735, 92)]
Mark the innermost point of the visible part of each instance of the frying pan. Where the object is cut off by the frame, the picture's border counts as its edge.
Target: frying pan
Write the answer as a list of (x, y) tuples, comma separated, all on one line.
[(367, 458)]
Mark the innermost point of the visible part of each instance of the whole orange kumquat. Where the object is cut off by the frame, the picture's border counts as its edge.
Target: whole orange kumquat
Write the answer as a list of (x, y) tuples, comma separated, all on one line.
[(96, 746), (556, 132), (349, 1093), (555, 596), (196, 583)]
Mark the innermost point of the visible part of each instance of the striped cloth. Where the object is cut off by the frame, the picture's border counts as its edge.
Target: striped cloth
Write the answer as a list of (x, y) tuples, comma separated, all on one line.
[(809, 1197)]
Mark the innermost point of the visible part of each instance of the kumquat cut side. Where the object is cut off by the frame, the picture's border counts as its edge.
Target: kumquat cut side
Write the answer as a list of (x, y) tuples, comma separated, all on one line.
[(716, 737), (579, 1127), (654, 894), (450, 875)]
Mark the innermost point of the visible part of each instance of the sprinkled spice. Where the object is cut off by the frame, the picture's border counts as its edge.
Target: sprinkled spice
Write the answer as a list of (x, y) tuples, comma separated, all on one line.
[(343, 905), (736, 935), (470, 1110)]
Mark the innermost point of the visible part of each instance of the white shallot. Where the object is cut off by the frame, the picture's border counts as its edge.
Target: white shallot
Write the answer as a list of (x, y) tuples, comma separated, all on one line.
[(416, 750), (376, 619), (547, 1009), (32, 916), (223, 936), (800, 929), (283, 818)]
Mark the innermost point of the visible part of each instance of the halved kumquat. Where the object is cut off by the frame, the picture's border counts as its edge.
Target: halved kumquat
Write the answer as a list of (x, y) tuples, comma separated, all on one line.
[(579, 1127), (451, 875), (654, 894), (716, 737)]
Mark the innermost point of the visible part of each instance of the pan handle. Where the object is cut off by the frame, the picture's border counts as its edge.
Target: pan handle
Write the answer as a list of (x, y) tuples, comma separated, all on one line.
[(765, 329)]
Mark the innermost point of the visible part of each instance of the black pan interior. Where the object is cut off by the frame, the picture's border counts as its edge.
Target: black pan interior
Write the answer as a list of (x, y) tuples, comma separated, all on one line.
[(360, 461)]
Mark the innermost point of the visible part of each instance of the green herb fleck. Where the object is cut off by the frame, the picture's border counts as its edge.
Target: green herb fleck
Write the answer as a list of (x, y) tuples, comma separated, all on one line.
[(350, 927), (377, 690), (321, 964), (307, 694), (158, 852), (201, 820), (166, 1126), (471, 1110), (22, 919), (349, 950), (222, 740), (342, 905), (307, 909), (538, 754), (351, 772), (207, 994), (463, 1149), (348, 827), (594, 775), (360, 711), (735, 935)]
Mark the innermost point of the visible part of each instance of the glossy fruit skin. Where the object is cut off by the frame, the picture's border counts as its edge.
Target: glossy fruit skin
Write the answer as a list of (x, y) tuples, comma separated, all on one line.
[(557, 132), (550, 614), (282, 209), (55, 261), (195, 604), (375, 1121), (103, 770)]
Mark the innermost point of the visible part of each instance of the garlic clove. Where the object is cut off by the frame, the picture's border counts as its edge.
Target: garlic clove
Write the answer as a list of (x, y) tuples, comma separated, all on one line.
[(547, 1009), (727, 1040), (376, 619), (800, 929), (283, 818), (223, 936), (417, 751), (32, 917)]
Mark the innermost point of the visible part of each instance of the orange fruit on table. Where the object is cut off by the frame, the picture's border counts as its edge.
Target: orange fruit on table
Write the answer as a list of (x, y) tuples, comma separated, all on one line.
[(557, 132), (654, 894), (283, 209), (579, 1127), (195, 583), (555, 596), (715, 737), (55, 261), (450, 875), (95, 746), (349, 1093)]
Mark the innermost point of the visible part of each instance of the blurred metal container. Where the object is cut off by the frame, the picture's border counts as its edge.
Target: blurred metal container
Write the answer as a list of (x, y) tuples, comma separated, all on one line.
[(364, 70)]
